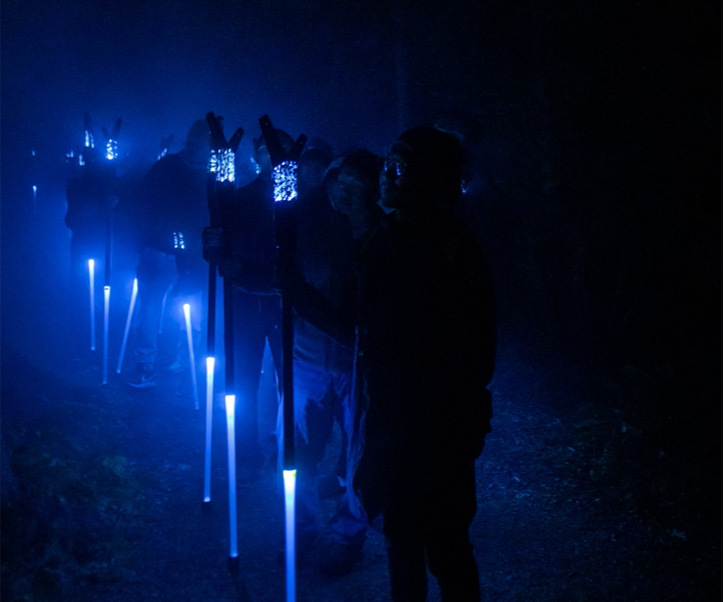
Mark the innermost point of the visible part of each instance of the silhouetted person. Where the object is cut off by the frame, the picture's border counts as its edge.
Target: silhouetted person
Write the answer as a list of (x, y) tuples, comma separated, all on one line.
[(171, 212), (91, 197), (244, 250), (426, 322), (323, 367)]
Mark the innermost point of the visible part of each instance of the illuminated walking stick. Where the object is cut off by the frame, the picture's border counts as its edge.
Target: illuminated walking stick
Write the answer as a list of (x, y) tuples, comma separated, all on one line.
[(285, 169), (106, 314), (91, 281), (221, 170), (34, 177), (106, 290), (129, 319), (230, 417), (191, 355), (111, 154)]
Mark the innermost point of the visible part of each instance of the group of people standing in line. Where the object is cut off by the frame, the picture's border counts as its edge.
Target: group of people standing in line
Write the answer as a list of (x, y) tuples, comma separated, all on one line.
[(394, 335)]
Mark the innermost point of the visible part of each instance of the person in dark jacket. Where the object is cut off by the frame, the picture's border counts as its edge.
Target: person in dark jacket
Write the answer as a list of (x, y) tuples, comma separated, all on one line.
[(424, 325), (171, 213), (426, 315), (326, 243)]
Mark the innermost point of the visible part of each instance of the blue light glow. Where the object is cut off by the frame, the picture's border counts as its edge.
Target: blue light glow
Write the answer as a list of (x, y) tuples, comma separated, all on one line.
[(106, 318), (222, 162), (285, 181), (192, 358), (89, 141), (178, 241), (210, 368), (231, 434), (129, 320), (290, 504), (91, 283), (111, 149)]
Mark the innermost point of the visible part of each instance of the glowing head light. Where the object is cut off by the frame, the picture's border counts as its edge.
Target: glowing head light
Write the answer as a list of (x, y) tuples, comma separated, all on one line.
[(222, 163), (178, 241), (285, 181)]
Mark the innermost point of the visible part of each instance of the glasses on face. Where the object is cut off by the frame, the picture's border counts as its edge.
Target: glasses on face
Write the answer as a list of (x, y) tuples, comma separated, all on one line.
[(396, 166)]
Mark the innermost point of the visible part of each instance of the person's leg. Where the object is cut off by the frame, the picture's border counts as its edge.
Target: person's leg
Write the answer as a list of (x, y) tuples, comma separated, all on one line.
[(248, 350), (405, 549), (314, 421), (449, 550), (156, 272), (350, 522)]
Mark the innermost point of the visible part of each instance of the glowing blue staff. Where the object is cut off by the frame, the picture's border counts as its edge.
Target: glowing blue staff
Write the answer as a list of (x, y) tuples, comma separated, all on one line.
[(285, 171), (91, 281), (231, 433), (289, 506), (35, 187), (191, 355), (221, 167), (129, 319), (106, 314), (210, 368)]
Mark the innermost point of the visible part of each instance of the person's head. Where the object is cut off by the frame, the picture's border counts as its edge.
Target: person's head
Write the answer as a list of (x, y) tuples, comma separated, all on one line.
[(422, 171), (261, 153), (313, 163), (352, 185)]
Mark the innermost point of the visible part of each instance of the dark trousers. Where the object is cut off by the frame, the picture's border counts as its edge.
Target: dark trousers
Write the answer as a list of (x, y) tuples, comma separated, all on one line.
[(426, 524), (256, 318)]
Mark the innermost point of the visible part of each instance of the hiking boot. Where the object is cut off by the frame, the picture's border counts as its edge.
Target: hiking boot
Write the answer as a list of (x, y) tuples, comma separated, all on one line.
[(143, 379)]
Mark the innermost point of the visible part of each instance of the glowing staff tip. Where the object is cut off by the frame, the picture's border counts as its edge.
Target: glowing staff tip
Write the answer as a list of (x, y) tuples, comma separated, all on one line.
[(210, 369), (91, 283), (106, 319), (290, 504), (129, 319), (231, 432), (191, 355)]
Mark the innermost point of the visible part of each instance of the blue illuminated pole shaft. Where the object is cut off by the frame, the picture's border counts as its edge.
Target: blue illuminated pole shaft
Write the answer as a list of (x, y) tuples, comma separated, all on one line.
[(221, 174), (91, 287), (129, 319), (191, 354), (284, 175), (106, 290), (230, 414)]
